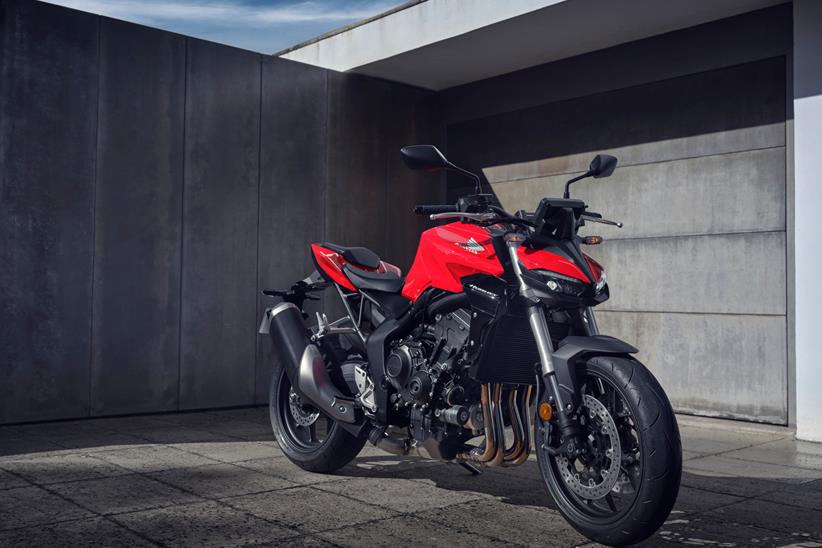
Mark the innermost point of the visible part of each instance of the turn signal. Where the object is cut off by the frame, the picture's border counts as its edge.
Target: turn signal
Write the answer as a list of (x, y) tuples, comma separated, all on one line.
[(592, 240), (545, 411)]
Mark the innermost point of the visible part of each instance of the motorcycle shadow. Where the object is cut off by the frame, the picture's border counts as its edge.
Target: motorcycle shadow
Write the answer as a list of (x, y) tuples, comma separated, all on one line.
[(521, 485), (722, 509)]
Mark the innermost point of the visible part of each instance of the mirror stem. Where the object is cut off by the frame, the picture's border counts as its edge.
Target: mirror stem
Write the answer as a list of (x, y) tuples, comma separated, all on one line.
[(477, 181), (567, 194)]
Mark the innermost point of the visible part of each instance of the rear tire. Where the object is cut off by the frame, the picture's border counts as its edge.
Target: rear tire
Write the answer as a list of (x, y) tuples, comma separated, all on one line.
[(308, 449), (654, 468)]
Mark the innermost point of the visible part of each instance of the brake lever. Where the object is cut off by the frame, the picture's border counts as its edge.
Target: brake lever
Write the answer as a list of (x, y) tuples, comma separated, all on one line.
[(604, 222)]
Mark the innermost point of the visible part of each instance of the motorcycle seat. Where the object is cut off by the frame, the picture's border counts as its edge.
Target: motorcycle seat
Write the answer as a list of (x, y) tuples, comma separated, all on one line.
[(356, 255), (387, 282)]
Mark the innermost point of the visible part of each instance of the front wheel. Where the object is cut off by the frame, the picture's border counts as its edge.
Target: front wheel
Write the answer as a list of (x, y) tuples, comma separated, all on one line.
[(621, 489)]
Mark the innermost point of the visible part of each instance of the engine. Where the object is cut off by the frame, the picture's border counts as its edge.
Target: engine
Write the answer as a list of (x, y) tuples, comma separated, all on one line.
[(428, 371)]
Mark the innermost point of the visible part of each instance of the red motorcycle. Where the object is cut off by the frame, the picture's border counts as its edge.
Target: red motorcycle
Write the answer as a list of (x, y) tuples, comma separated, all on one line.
[(492, 326)]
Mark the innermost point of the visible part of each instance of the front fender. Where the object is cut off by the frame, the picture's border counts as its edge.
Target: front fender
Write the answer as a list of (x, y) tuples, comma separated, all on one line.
[(574, 348)]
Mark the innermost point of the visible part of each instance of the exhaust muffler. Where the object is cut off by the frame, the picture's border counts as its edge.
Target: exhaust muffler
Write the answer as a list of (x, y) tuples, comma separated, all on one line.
[(304, 363)]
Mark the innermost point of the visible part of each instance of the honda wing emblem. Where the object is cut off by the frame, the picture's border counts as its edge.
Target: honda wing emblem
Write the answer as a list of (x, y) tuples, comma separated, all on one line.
[(472, 245)]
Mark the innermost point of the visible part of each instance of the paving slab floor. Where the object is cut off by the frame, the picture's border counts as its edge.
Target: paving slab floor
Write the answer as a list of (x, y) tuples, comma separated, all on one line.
[(218, 479)]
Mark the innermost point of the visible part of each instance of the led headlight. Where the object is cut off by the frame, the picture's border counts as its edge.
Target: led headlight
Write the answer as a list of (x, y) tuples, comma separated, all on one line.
[(600, 283), (596, 270), (558, 283)]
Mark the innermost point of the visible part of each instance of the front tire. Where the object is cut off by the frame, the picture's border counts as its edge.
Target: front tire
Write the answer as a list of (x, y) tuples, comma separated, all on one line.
[(623, 489), (309, 438)]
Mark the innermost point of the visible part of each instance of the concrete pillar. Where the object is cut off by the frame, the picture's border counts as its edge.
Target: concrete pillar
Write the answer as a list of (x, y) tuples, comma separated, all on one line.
[(807, 106)]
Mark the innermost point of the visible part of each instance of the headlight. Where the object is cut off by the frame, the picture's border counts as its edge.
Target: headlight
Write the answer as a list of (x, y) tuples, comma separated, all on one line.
[(600, 282), (596, 270), (561, 284)]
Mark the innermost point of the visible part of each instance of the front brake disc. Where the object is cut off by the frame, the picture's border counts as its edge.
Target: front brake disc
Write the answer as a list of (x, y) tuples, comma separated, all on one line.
[(592, 488)]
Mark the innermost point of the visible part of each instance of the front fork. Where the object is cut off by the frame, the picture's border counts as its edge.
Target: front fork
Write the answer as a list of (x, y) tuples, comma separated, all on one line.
[(568, 426), (590, 322)]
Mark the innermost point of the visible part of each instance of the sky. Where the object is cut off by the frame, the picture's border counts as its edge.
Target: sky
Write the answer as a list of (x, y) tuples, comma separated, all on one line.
[(266, 26)]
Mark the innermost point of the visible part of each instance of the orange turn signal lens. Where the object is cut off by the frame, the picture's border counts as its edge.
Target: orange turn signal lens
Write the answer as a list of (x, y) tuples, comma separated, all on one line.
[(545, 411), (592, 240)]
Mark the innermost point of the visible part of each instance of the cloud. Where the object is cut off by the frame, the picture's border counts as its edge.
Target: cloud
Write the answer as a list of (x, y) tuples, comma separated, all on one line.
[(228, 12)]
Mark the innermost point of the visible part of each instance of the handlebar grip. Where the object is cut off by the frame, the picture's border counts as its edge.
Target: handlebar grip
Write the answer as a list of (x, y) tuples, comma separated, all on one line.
[(431, 209)]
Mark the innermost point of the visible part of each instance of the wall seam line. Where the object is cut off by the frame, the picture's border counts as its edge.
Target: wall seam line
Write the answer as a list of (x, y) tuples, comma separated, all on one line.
[(259, 208), (326, 142), (704, 235), (94, 219), (182, 223), (638, 164), (700, 313), (386, 183), (326, 186)]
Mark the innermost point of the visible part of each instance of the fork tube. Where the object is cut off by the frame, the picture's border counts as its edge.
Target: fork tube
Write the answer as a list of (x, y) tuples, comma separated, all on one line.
[(539, 327), (590, 321)]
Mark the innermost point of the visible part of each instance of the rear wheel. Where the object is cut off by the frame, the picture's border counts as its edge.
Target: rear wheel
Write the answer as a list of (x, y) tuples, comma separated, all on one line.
[(308, 437), (622, 488)]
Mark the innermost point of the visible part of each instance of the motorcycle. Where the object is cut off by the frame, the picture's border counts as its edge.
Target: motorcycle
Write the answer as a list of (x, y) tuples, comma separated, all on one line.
[(492, 327)]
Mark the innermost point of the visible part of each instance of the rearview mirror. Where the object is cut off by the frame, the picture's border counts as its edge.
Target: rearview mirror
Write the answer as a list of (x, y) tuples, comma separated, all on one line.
[(426, 157), (429, 158), (602, 165)]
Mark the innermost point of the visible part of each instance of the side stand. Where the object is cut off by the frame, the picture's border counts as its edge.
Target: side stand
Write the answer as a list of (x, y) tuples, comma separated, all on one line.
[(475, 471)]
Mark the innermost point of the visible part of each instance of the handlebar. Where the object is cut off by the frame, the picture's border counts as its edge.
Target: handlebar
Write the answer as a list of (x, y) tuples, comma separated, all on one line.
[(433, 209), (495, 215)]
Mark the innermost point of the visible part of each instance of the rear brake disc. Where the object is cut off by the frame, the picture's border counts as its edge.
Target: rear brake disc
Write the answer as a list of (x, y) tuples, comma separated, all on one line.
[(301, 415)]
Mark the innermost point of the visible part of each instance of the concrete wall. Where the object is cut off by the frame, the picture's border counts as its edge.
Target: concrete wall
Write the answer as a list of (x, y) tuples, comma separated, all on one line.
[(151, 185), (137, 217), (698, 275), (48, 123)]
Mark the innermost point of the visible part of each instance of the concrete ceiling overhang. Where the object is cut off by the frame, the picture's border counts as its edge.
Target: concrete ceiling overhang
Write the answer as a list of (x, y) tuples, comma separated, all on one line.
[(438, 44)]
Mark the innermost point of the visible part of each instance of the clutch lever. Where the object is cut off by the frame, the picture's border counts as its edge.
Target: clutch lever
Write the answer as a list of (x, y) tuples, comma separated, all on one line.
[(482, 218), (479, 217)]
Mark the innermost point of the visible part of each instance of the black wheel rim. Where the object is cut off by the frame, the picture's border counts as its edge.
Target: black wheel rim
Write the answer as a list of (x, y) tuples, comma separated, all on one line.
[(305, 427), (622, 497)]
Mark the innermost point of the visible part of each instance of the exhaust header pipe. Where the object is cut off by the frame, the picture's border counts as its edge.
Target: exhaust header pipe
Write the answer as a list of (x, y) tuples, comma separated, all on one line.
[(304, 364)]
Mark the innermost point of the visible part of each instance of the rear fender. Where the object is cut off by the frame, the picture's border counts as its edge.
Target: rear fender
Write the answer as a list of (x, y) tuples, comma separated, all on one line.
[(573, 350)]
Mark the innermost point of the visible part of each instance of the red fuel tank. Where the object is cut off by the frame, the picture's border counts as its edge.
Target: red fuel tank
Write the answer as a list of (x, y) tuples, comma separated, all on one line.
[(447, 254)]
